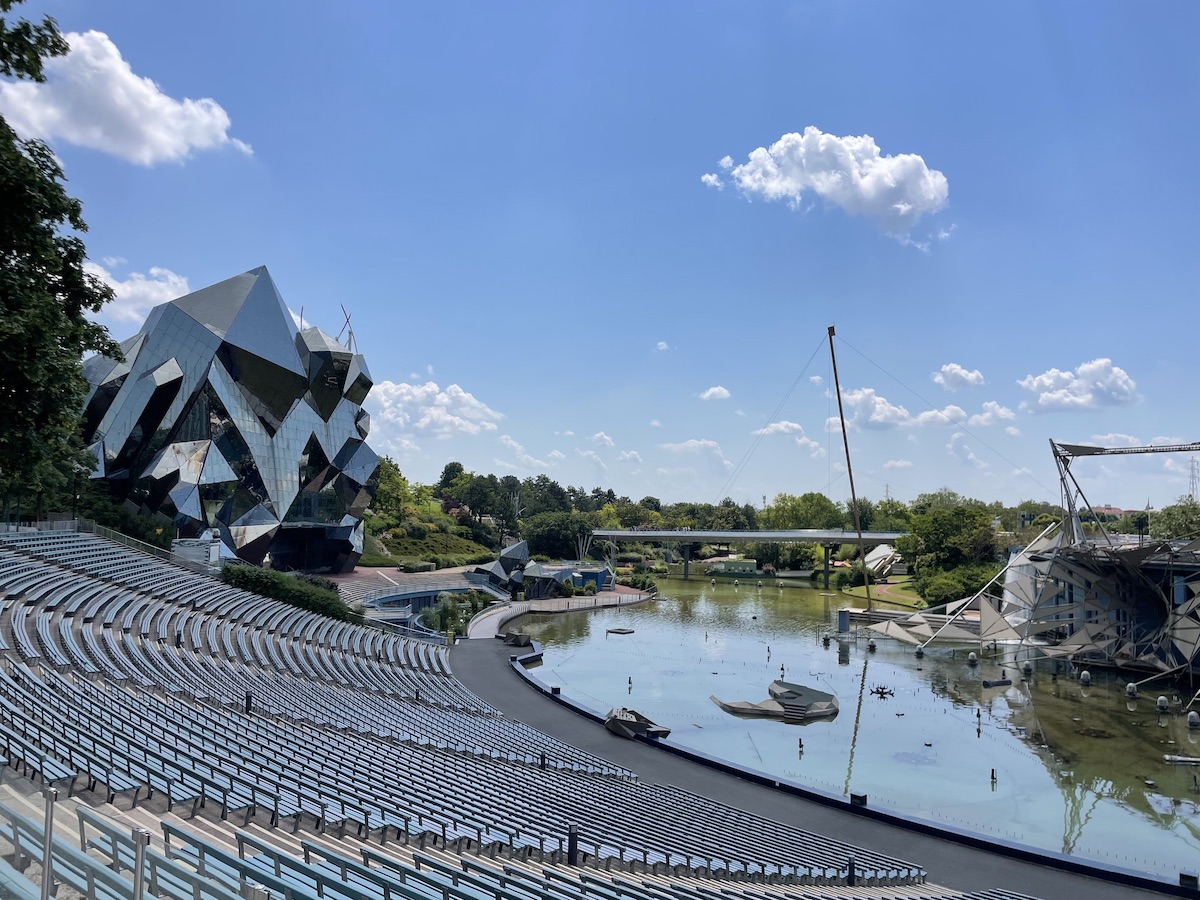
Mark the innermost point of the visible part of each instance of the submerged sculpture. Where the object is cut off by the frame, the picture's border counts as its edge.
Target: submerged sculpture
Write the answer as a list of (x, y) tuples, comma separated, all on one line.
[(788, 701), (225, 416)]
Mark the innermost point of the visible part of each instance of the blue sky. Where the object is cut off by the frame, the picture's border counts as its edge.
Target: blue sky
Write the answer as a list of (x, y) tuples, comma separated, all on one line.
[(604, 241)]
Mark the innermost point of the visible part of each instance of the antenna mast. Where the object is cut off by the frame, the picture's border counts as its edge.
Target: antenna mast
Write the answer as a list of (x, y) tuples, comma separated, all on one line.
[(837, 386)]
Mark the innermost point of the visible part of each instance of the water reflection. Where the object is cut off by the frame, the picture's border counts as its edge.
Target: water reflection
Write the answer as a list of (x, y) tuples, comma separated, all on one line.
[(1044, 761)]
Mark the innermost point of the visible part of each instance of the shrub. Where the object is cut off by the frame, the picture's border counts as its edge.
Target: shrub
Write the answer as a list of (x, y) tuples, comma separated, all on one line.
[(639, 582), (588, 589), (567, 588), (306, 592)]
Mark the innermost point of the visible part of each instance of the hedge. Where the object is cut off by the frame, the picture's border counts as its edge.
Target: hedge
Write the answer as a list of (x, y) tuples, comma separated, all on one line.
[(306, 591)]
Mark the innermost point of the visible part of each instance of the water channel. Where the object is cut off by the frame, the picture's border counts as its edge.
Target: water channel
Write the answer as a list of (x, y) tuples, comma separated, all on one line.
[(1077, 770)]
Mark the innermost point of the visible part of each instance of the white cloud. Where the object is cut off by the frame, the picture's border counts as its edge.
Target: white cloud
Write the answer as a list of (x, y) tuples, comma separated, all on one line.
[(703, 447), (944, 233), (662, 345), (898, 464), (1091, 385), (781, 427), (725, 162), (556, 455), (954, 377), (993, 413), (958, 447), (716, 392), (602, 439), (868, 410), (850, 172), (712, 181), (1013, 430), (814, 448), (593, 457), (92, 98), (816, 379), (134, 297), (525, 459), (426, 407), (629, 456), (948, 415), (654, 423)]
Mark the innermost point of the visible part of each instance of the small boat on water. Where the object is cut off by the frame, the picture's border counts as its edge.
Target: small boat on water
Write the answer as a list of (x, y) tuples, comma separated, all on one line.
[(619, 631), (629, 723), (788, 701), (1182, 760)]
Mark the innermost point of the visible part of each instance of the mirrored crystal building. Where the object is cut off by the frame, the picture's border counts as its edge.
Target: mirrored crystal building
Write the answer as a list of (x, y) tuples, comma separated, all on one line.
[(225, 416)]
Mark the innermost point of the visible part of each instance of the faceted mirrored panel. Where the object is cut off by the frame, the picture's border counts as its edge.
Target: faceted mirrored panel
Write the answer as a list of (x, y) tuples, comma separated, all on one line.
[(224, 416)]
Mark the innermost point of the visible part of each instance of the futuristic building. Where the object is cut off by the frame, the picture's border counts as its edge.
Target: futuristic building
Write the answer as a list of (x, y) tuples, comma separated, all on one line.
[(225, 416)]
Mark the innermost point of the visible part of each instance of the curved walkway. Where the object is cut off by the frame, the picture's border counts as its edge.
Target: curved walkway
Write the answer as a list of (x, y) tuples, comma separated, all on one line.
[(488, 622), (483, 666)]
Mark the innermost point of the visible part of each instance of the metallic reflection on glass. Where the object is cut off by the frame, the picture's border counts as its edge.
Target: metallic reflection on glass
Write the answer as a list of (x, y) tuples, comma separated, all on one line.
[(225, 416)]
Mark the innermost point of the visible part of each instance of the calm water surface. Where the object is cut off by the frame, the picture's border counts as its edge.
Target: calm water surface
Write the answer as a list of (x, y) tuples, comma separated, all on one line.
[(1077, 770)]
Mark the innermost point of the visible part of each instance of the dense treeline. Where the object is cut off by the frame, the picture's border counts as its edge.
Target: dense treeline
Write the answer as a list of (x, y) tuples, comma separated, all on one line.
[(953, 544)]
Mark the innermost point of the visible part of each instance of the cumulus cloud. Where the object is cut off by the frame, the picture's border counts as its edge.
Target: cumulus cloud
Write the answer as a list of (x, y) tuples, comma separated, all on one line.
[(816, 379), (716, 392), (138, 293), (701, 447), (525, 459), (993, 414), (954, 377), (1013, 430), (556, 455), (92, 98), (781, 427), (796, 430), (593, 457), (1091, 385), (849, 172), (662, 345), (428, 408), (629, 456), (868, 410), (713, 181), (898, 464), (602, 439), (959, 448)]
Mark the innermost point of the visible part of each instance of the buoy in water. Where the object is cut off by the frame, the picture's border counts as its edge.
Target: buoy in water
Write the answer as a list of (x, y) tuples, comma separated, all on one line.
[(871, 646), (972, 659), (735, 581), (920, 653), (1193, 720), (760, 584), (1027, 669), (1131, 690), (1162, 704), (714, 581), (1085, 677)]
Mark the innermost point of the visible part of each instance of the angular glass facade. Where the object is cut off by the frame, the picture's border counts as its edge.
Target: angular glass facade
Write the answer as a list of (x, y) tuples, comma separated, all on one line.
[(225, 416)]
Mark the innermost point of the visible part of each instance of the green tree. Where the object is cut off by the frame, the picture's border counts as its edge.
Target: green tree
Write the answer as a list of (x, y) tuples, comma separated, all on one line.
[(810, 510), (1180, 520), (450, 472), (554, 533), (45, 294)]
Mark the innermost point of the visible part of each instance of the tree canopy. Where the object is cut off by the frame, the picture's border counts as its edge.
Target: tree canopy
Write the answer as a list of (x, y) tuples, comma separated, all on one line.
[(45, 294)]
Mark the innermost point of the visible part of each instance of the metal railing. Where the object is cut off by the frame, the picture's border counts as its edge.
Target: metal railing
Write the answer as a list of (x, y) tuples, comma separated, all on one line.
[(87, 526)]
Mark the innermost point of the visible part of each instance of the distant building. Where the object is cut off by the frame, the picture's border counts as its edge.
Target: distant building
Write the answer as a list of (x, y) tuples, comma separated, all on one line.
[(224, 416)]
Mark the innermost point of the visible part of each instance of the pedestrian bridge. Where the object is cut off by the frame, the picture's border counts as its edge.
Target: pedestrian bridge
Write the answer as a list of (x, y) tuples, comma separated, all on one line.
[(791, 536), (829, 539)]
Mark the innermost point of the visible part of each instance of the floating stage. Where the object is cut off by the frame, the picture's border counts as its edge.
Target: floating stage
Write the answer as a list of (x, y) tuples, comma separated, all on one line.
[(788, 701)]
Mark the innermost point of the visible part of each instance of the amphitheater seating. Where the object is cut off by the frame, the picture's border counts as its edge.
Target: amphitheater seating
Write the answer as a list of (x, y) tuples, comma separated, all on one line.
[(154, 681)]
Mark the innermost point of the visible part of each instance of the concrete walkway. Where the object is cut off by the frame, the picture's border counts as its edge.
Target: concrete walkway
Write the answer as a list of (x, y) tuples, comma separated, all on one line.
[(490, 621), (483, 666)]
